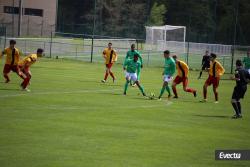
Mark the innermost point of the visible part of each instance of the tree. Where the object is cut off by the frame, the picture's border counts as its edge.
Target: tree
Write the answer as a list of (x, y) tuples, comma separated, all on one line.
[(210, 21), (157, 14)]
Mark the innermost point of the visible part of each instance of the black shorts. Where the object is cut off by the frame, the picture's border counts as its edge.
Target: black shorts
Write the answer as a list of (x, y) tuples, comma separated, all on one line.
[(204, 66), (239, 92)]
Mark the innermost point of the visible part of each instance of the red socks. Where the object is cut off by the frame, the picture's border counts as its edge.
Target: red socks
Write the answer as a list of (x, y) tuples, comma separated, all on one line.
[(25, 82), (112, 75), (7, 79), (204, 93), (175, 91), (107, 74), (216, 96)]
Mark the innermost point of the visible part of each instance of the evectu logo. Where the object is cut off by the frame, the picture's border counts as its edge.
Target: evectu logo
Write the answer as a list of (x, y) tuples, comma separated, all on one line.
[(232, 154)]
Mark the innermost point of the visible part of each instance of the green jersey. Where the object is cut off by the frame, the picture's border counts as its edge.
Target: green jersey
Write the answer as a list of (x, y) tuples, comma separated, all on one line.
[(246, 62), (130, 55), (131, 66), (170, 66)]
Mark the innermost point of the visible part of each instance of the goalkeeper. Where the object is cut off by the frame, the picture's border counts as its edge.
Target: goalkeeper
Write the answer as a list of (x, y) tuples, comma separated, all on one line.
[(130, 56)]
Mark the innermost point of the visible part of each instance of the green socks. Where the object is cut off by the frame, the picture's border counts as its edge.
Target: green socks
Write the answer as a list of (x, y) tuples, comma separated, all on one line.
[(126, 86), (141, 89), (162, 91), (138, 74), (168, 90)]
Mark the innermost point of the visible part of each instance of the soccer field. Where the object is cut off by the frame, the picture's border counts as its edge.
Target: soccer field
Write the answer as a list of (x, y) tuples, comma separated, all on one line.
[(71, 119)]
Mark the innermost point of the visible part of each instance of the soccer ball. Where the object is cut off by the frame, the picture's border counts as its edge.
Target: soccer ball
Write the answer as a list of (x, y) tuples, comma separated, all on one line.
[(151, 96)]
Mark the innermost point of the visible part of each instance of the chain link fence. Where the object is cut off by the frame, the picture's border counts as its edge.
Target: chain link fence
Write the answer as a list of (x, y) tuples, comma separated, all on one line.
[(84, 47)]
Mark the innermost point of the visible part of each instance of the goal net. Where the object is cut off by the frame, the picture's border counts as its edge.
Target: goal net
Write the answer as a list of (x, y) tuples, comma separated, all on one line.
[(165, 37)]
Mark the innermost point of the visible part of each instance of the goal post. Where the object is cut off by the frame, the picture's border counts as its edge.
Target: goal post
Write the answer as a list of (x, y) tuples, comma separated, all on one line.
[(166, 37)]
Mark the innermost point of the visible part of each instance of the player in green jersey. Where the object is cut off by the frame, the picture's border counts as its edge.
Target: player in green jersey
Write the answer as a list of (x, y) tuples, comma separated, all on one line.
[(130, 55), (246, 61), (169, 70), (131, 67)]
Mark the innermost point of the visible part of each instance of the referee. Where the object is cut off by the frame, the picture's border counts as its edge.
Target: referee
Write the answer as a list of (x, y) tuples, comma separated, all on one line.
[(205, 63), (242, 77)]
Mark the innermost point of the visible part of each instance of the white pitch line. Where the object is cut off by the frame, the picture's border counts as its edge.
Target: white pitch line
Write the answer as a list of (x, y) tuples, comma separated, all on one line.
[(60, 92)]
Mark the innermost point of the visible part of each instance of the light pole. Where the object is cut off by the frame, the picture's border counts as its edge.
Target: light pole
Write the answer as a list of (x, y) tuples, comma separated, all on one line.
[(19, 32), (93, 34), (13, 16), (236, 11)]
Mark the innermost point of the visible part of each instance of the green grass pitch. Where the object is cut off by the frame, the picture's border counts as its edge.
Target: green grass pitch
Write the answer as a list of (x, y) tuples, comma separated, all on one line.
[(70, 119)]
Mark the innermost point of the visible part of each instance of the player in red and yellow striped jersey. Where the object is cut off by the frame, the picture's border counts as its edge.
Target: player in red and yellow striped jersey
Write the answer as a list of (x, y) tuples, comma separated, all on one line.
[(182, 76), (11, 61), (110, 56), (215, 71), (25, 64)]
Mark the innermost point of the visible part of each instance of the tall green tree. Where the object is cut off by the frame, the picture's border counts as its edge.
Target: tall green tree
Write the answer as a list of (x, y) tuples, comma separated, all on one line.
[(157, 14), (211, 21)]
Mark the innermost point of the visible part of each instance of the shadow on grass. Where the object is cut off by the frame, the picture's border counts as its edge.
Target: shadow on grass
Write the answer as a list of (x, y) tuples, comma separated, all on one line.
[(88, 81), (3, 82), (212, 116), (113, 93), (14, 89), (110, 84), (191, 100)]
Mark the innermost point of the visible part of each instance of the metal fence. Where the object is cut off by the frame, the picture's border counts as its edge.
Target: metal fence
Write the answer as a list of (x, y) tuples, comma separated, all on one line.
[(83, 47)]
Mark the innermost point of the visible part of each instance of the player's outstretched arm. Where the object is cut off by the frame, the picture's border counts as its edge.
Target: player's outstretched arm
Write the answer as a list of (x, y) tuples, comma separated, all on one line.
[(124, 65), (234, 78), (116, 56), (127, 55), (221, 68), (104, 54), (207, 69), (248, 77), (173, 68), (140, 59), (2, 53)]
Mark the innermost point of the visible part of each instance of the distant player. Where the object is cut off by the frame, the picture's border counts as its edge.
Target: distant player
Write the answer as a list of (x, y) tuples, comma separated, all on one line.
[(205, 63), (169, 70), (242, 77), (216, 70), (131, 66), (246, 62), (182, 76), (11, 61), (25, 65), (110, 56), (130, 55)]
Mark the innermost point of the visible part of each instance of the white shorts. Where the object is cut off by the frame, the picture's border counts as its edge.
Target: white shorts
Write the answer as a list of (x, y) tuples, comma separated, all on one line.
[(167, 78), (249, 71), (132, 76)]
